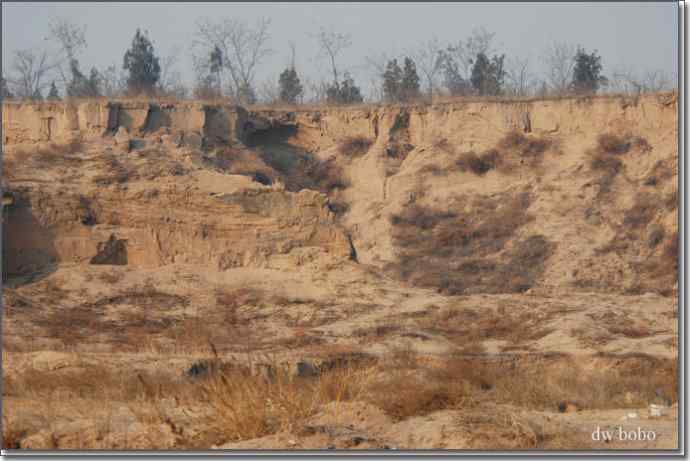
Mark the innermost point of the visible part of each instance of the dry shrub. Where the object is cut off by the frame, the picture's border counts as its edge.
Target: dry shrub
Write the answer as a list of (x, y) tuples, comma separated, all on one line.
[(354, 146), (656, 236), (478, 164), (515, 146), (613, 144), (525, 147), (325, 176), (642, 212), (451, 250), (603, 157)]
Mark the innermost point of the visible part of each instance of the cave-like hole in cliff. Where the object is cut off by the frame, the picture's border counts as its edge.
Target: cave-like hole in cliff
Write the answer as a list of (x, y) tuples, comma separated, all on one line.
[(274, 147), (28, 247)]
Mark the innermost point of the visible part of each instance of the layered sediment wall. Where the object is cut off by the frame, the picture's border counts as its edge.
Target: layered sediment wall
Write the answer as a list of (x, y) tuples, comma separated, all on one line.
[(321, 127), (63, 121)]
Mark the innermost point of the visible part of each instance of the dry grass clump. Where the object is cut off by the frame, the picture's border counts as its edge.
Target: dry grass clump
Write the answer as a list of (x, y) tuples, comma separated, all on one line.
[(247, 406), (354, 146), (457, 252)]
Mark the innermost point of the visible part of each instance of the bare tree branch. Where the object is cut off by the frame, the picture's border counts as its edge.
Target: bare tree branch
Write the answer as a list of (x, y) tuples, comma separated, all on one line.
[(331, 44), (520, 80), (29, 73), (72, 41), (244, 47), (560, 59), (428, 59)]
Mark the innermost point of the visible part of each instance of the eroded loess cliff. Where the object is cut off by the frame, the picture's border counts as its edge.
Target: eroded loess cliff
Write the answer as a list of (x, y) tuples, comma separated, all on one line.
[(478, 266), (463, 197)]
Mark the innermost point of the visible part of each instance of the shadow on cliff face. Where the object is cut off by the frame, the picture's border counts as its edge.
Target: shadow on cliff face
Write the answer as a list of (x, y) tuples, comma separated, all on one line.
[(274, 148), (28, 250), (295, 166)]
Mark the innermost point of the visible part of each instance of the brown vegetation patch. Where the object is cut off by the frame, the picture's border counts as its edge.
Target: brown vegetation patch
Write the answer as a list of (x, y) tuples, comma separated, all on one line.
[(354, 146), (478, 164), (468, 328), (450, 250), (512, 150)]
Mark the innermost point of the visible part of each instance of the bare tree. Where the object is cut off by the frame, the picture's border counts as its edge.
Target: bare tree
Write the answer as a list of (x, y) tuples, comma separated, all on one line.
[(113, 81), (429, 59), (30, 70), (465, 52), (560, 60), (170, 82), (269, 92), (376, 65), (331, 44), (243, 47), (72, 41), (521, 82), (626, 80)]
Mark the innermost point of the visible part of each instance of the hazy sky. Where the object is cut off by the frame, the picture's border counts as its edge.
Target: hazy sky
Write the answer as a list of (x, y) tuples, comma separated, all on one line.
[(642, 36)]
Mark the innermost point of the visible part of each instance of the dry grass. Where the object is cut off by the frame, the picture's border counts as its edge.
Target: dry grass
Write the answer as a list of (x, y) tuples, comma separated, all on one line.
[(468, 328), (250, 406), (52, 155), (235, 403)]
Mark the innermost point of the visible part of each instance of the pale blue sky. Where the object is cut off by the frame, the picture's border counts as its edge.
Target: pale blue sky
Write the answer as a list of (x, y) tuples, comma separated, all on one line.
[(642, 36)]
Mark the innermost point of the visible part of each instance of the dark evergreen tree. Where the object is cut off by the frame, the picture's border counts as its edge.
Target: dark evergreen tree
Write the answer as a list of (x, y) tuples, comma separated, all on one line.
[(216, 67), (410, 81), (392, 81), (587, 76), (452, 77), (53, 94), (143, 66), (488, 75), (344, 93), (290, 86), (81, 86)]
